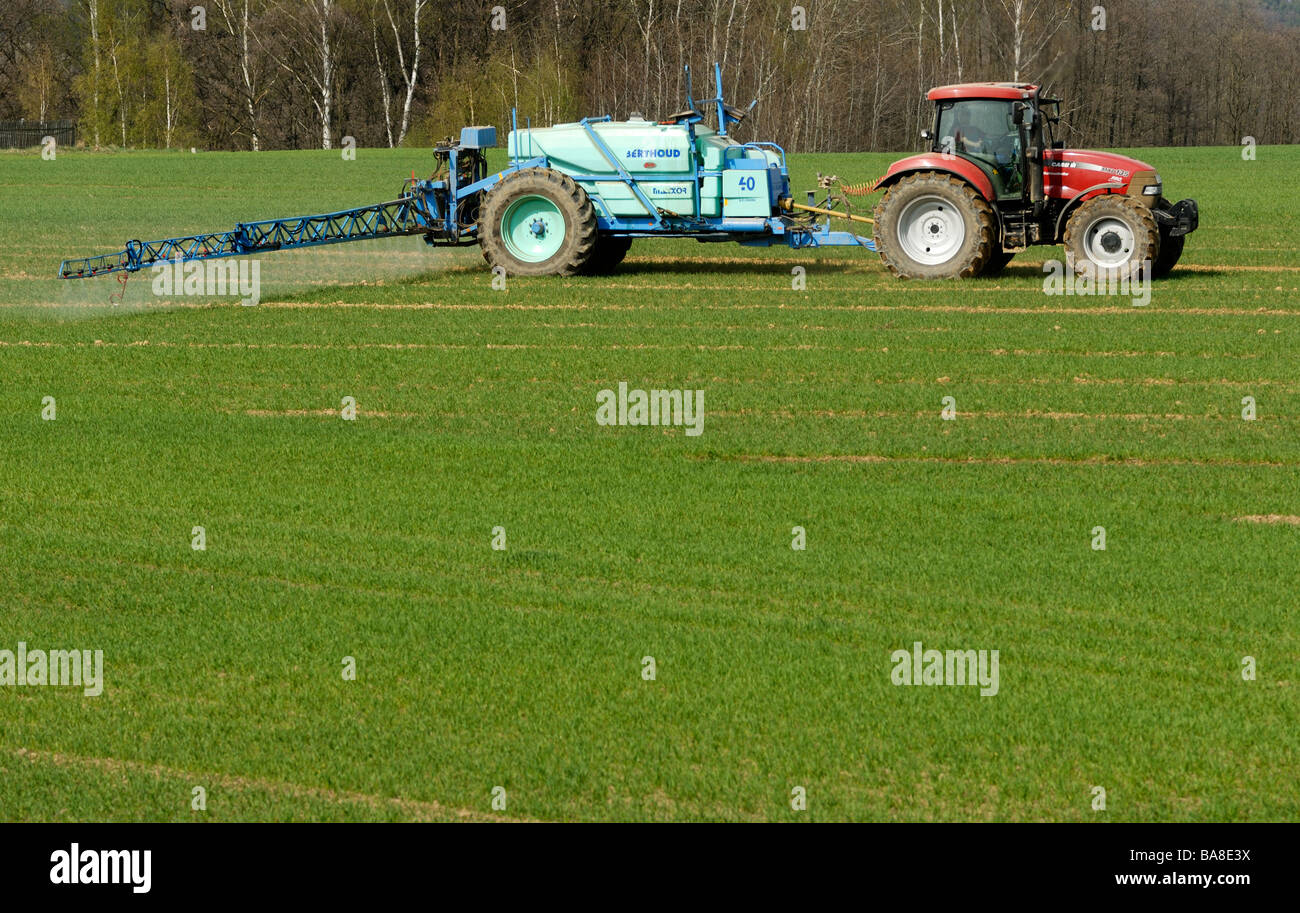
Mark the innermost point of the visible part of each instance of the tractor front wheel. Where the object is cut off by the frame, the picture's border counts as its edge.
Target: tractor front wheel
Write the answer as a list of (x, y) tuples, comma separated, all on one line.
[(1171, 248), (1112, 235), (932, 225), (537, 222)]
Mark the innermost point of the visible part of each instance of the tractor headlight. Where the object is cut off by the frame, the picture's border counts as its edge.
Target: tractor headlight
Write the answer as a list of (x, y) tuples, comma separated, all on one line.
[(1152, 190)]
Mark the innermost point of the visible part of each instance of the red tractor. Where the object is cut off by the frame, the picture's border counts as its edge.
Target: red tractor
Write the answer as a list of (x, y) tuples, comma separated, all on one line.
[(994, 182)]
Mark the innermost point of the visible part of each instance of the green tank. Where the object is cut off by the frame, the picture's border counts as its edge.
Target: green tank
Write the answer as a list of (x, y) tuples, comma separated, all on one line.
[(662, 159)]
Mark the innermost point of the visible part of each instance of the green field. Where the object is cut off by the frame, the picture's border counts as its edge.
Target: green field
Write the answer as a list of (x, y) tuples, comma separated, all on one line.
[(522, 668)]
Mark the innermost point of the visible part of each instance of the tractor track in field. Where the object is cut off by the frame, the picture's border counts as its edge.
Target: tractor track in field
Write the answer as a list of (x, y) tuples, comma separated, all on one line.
[(867, 266), (329, 413), (419, 810), (1095, 460), (607, 347), (792, 415), (861, 264), (858, 414), (610, 288), (1269, 519), (1104, 310)]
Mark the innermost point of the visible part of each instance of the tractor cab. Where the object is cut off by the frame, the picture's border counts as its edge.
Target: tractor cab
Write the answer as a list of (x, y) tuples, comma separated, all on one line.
[(991, 125), (984, 131)]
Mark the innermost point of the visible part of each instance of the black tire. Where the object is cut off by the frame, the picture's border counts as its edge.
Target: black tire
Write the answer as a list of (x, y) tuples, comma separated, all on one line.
[(574, 205), (1171, 249), (1093, 229), (607, 255), (997, 261), (936, 205)]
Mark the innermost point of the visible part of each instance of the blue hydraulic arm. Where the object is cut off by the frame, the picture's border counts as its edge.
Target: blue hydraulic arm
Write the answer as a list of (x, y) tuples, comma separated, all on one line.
[(407, 215)]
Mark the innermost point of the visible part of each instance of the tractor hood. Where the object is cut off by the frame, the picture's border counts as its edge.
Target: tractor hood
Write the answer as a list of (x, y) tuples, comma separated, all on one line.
[(1085, 167), (1070, 174)]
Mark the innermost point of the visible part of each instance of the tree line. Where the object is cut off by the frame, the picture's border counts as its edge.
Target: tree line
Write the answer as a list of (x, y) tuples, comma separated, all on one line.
[(829, 75)]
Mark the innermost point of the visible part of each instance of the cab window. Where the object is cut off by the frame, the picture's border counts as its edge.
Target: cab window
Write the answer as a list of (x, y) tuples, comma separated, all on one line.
[(983, 129)]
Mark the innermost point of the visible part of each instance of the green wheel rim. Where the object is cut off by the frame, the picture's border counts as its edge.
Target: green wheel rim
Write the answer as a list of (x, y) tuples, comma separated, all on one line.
[(533, 229)]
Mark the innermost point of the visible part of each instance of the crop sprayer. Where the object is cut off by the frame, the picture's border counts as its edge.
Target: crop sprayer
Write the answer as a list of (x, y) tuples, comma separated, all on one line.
[(573, 197)]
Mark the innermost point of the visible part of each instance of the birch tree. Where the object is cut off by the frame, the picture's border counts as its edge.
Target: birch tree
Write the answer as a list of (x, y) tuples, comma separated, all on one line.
[(238, 19), (96, 68), (411, 75), (309, 59), (1029, 35)]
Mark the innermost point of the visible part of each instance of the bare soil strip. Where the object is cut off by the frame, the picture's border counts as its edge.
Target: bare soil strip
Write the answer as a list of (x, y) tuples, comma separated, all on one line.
[(872, 262), (1105, 310), (862, 308), (1271, 519), (327, 413), (1029, 413), (450, 346), (1095, 460)]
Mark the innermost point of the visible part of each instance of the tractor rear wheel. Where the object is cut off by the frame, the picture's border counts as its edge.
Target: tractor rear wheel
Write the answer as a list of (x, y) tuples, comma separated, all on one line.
[(931, 225), (607, 255), (1111, 235), (997, 261), (537, 222)]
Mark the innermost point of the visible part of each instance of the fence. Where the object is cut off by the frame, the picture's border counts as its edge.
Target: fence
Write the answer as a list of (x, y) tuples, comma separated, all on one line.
[(18, 134)]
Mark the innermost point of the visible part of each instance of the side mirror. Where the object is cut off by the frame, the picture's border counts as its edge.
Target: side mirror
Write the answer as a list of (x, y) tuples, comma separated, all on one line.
[(1018, 113)]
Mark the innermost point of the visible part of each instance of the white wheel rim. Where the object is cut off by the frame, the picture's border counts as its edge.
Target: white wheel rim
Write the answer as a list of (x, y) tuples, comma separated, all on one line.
[(1109, 242), (931, 231)]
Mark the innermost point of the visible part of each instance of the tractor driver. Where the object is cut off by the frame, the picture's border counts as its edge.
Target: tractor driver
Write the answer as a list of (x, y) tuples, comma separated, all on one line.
[(966, 134)]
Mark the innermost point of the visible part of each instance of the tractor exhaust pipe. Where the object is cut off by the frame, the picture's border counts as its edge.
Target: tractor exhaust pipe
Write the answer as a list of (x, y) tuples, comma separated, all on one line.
[(1030, 134), (1036, 179)]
